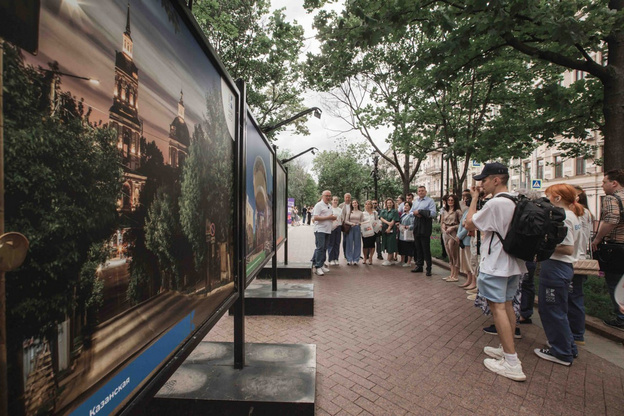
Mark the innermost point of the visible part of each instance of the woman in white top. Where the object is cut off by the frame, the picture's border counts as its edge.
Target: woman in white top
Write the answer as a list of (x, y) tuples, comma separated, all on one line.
[(555, 278), (354, 237), (333, 247), (576, 297), (368, 243)]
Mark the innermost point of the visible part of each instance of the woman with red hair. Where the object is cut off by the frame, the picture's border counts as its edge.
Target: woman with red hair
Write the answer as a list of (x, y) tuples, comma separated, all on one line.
[(555, 277)]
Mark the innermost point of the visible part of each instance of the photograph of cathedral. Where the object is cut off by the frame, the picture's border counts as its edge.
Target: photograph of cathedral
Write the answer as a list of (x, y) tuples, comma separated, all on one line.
[(131, 77)]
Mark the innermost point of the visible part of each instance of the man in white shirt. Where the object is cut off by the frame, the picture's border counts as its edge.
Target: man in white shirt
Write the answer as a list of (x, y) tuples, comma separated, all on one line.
[(323, 216), (499, 273)]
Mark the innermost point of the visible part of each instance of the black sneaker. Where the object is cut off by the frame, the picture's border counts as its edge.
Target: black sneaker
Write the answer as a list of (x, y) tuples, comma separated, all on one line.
[(492, 331), (546, 354), (615, 323), (428, 273), (417, 270)]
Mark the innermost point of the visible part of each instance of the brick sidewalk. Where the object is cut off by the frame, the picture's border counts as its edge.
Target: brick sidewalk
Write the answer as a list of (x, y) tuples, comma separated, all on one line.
[(390, 342)]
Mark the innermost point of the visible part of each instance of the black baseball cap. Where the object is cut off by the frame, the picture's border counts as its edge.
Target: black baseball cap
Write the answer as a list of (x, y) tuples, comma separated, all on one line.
[(492, 169)]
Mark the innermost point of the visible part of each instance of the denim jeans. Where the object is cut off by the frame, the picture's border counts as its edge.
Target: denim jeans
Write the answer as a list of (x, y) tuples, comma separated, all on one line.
[(555, 277), (354, 244), (576, 307), (333, 248), (320, 252), (527, 300)]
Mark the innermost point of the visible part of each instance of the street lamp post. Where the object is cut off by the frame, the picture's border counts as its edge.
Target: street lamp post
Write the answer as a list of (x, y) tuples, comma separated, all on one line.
[(317, 113), (312, 149)]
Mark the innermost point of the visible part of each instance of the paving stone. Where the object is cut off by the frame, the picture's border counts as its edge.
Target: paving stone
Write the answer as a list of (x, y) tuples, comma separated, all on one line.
[(392, 343)]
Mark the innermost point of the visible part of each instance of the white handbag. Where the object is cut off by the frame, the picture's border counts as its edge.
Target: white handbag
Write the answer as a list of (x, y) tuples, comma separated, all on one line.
[(367, 229)]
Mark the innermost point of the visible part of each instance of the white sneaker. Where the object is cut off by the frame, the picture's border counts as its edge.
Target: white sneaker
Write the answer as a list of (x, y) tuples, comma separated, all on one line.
[(319, 272), (494, 352), (386, 263), (406, 265), (325, 269), (502, 367), (326, 264)]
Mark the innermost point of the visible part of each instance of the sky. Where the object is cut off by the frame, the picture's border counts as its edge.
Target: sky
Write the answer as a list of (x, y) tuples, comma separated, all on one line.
[(323, 132)]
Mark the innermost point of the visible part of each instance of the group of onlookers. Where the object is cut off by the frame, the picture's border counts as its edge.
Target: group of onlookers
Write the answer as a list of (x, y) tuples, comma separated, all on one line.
[(504, 279), (473, 230), (397, 229)]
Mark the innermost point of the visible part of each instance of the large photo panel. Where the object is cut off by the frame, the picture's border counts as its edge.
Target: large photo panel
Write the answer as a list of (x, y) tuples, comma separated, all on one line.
[(120, 138), (259, 199)]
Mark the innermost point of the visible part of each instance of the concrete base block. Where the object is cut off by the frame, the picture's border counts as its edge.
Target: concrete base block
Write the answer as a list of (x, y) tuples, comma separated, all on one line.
[(290, 299), (289, 271), (278, 379)]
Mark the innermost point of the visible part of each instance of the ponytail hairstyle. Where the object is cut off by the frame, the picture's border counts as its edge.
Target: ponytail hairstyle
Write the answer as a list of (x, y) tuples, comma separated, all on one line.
[(567, 193)]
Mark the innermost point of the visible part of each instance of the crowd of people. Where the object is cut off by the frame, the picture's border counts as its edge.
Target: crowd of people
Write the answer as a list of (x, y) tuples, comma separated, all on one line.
[(473, 230), (401, 228)]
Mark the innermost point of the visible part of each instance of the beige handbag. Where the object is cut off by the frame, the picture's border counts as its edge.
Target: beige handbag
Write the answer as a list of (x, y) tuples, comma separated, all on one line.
[(587, 266)]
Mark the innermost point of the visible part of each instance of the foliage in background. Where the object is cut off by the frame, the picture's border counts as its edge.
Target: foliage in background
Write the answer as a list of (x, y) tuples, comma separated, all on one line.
[(344, 170), (575, 35), (301, 185), (263, 49)]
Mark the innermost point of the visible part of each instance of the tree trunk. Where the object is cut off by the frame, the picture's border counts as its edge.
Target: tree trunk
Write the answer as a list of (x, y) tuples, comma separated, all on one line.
[(613, 106)]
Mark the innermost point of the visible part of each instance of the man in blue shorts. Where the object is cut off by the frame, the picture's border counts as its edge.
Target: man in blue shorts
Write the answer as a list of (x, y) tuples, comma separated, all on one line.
[(499, 273)]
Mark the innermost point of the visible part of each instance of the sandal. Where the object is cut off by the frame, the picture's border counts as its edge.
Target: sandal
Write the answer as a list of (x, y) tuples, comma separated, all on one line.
[(452, 280)]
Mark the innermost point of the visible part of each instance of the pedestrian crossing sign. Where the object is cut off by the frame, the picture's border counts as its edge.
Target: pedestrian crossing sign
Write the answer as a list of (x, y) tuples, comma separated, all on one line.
[(536, 184)]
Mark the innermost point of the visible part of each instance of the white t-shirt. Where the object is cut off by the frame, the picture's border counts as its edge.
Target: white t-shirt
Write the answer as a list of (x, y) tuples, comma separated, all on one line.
[(495, 216), (587, 223), (573, 238), (322, 209), (338, 221)]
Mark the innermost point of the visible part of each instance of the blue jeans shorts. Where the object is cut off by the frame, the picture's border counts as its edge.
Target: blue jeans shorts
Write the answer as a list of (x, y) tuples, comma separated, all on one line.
[(498, 289)]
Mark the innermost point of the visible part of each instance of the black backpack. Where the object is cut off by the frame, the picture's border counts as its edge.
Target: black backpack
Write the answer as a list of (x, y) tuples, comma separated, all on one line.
[(536, 229)]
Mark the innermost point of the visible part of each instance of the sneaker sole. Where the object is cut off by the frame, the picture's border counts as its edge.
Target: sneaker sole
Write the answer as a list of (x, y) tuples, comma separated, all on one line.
[(551, 358), (511, 376)]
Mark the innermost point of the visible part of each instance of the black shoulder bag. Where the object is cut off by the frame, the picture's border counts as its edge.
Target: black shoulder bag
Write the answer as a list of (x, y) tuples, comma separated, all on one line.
[(610, 254)]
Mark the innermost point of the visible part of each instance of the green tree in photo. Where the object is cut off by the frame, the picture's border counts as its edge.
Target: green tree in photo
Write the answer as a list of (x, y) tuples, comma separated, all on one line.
[(145, 278), (207, 187), (62, 181)]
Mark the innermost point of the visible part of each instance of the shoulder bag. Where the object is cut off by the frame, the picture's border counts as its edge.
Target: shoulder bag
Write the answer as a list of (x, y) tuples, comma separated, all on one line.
[(609, 253)]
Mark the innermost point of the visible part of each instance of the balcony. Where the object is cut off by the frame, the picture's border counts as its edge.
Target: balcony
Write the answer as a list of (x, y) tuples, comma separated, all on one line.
[(432, 170)]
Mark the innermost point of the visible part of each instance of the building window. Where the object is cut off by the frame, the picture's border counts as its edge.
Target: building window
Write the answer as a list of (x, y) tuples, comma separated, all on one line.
[(527, 175), (558, 167), (539, 174), (581, 166)]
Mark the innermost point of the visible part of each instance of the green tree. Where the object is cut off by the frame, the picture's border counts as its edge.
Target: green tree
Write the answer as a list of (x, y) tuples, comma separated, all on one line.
[(344, 170), (576, 35), (263, 49), (62, 181), (301, 184), (371, 88), (207, 189)]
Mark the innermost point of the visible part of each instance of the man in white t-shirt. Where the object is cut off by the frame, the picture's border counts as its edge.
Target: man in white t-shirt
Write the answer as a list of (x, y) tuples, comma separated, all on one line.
[(499, 273), (323, 216)]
